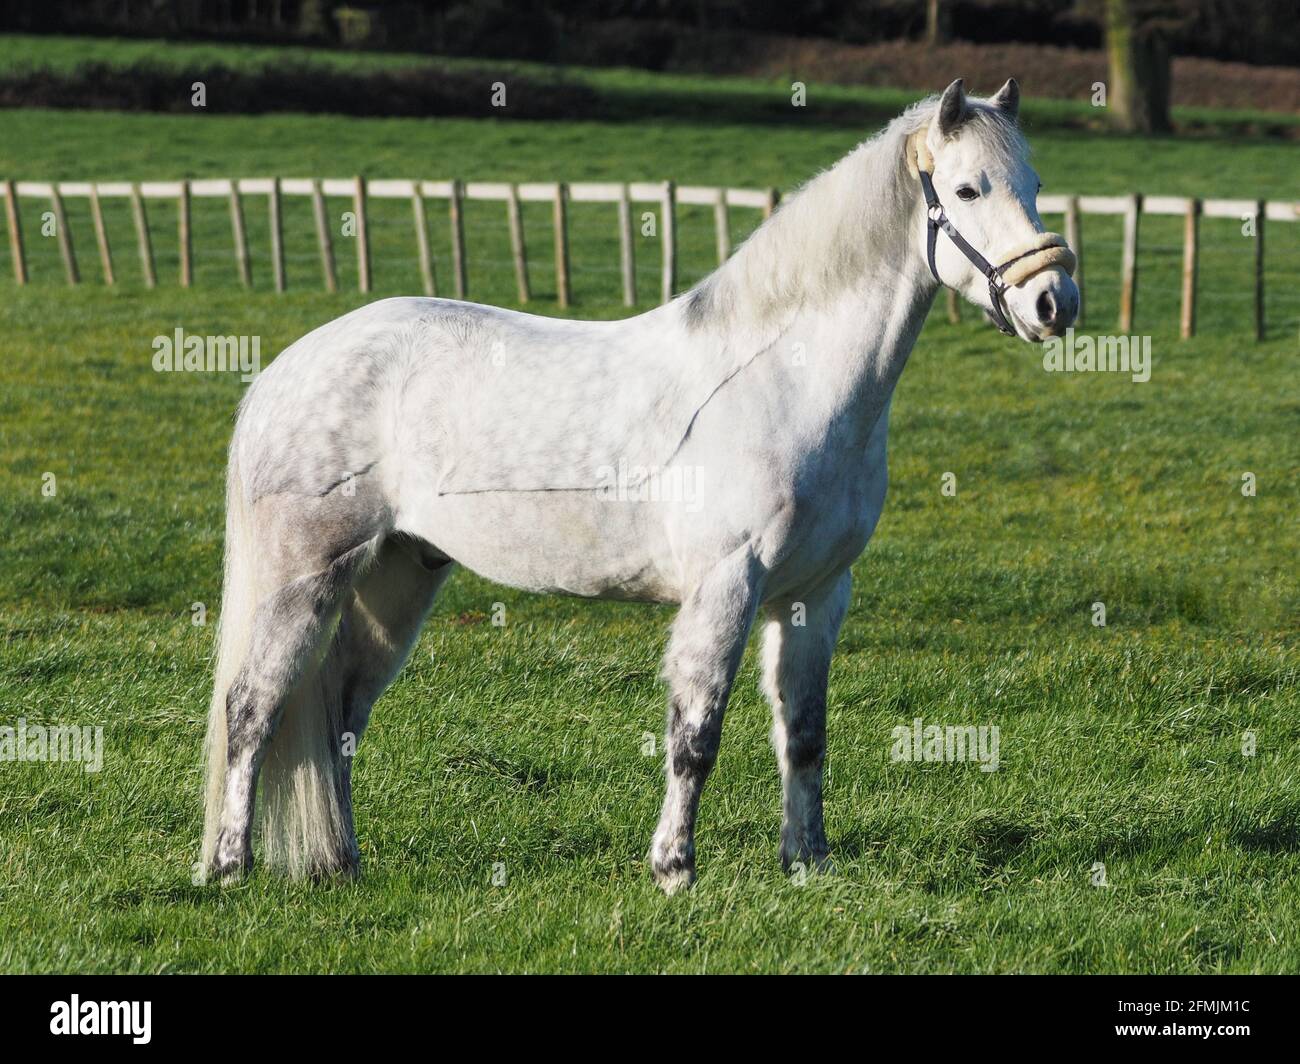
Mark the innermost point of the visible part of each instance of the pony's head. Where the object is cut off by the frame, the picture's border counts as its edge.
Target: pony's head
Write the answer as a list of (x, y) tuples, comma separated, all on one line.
[(983, 193)]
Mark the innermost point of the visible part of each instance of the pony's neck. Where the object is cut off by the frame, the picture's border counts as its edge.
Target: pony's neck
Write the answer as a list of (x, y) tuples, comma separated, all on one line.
[(843, 245)]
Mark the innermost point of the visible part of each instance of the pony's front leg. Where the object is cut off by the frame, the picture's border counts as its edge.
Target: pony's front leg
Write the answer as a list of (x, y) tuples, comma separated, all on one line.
[(704, 651), (798, 641)]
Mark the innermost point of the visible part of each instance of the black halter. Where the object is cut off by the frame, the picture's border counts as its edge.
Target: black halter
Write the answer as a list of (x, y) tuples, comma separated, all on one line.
[(938, 219)]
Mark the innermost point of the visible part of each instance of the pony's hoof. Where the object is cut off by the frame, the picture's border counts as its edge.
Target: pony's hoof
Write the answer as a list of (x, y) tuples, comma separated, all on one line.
[(228, 873), (674, 874), (230, 865), (818, 862)]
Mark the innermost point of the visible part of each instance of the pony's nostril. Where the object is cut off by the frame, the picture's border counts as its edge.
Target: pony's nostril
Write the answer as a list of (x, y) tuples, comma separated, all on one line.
[(1046, 308)]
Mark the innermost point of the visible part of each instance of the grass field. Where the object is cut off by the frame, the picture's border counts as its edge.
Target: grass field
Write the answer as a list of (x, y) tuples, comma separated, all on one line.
[(522, 745)]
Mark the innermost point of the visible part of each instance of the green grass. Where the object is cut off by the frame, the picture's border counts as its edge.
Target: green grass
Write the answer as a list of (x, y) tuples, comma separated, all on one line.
[(522, 744)]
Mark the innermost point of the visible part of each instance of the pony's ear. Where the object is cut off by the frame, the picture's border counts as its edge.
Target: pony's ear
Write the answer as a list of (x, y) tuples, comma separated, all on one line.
[(952, 109), (1007, 99)]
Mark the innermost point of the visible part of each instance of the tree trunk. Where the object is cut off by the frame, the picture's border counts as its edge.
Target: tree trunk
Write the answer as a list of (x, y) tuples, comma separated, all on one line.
[(938, 24), (1139, 72)]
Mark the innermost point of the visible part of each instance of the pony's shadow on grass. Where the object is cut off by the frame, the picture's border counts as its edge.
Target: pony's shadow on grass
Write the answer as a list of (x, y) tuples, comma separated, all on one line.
[(179, 892), (997, 841), (520, 772), (1280, 835), (857, 843), (994, 840)]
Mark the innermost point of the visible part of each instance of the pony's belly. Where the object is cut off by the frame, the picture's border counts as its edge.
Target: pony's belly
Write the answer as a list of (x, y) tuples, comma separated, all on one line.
[(568, 543)]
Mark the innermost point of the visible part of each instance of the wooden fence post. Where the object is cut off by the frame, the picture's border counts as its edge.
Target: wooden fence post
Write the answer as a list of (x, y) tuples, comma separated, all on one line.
[(1260, 214), (277, 236), (1128, 279), (240, 235), (1074, 237), (323, 241), (101, 236), (518, 248), (143, 243), (773, 198), (953, 306), (64, 236), (422, 242), (183, 234), (363, 235), (460, 278), (1191, 226), (668, 231), (562, 288), (626, 249), (722, 227), (16, 252)]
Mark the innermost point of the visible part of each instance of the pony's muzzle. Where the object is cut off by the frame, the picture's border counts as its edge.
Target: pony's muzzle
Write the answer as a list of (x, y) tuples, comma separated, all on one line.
[(1057, 302), (1057, 306), (1039, 291)]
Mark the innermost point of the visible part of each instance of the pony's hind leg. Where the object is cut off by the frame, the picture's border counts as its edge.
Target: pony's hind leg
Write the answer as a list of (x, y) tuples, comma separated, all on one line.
[(380, 622), (798, 641), (289, 628), (704, 651)]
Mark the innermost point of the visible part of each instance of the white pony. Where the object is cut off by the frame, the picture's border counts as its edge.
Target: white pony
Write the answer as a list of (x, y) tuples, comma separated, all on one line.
[(725, 452)]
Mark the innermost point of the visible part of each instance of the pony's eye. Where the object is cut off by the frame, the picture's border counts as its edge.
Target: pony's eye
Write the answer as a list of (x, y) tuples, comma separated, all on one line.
[(967, 193)]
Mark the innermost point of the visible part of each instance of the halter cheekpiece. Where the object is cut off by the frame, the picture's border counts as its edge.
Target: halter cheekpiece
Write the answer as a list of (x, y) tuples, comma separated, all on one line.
[(1048, 249)]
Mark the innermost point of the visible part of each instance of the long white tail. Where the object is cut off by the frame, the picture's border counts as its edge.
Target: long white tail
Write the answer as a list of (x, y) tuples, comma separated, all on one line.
[(234, 633), (304, 821), (303, 817)]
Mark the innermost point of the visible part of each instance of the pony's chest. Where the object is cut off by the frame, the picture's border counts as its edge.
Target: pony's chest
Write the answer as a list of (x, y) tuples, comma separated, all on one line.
[(832, 521), (843, 519)]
